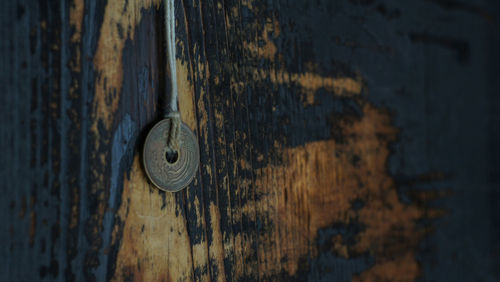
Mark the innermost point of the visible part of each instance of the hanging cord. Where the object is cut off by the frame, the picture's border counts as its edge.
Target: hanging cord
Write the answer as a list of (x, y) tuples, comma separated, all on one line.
[(172, 112)]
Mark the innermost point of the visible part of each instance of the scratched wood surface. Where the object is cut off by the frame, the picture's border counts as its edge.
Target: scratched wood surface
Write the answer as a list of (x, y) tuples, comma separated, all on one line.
[(339, 141)]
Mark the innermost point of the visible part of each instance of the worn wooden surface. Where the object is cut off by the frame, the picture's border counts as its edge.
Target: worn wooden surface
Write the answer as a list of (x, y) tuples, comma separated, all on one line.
[(339, 140)]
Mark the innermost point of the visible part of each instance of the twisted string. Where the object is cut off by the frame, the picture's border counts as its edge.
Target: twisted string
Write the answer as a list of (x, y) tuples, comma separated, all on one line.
[(172, 112)]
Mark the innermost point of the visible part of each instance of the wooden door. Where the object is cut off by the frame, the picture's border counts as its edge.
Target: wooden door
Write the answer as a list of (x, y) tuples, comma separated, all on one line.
[(339, 140)]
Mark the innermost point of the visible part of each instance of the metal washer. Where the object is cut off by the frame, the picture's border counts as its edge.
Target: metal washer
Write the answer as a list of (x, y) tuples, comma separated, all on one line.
[(171, 177)]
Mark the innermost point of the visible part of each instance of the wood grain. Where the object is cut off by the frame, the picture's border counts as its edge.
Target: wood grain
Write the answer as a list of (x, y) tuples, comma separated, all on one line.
[(306, 112)]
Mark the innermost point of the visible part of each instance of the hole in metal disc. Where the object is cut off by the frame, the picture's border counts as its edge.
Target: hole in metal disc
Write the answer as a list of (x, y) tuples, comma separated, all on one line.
[(171, 156)]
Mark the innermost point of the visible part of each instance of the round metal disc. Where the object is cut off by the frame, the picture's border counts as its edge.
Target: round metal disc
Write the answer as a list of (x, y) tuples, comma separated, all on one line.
[(170, 176)]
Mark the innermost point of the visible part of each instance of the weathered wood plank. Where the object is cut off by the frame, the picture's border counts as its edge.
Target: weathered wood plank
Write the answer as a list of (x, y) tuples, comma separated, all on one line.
[(334, 141)]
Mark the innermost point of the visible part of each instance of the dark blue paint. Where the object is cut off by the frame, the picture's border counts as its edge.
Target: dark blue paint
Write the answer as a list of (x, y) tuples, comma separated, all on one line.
[(122, 146), (331, 267), (427, 65), (433, 64), (64, 124), (90, 34)]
